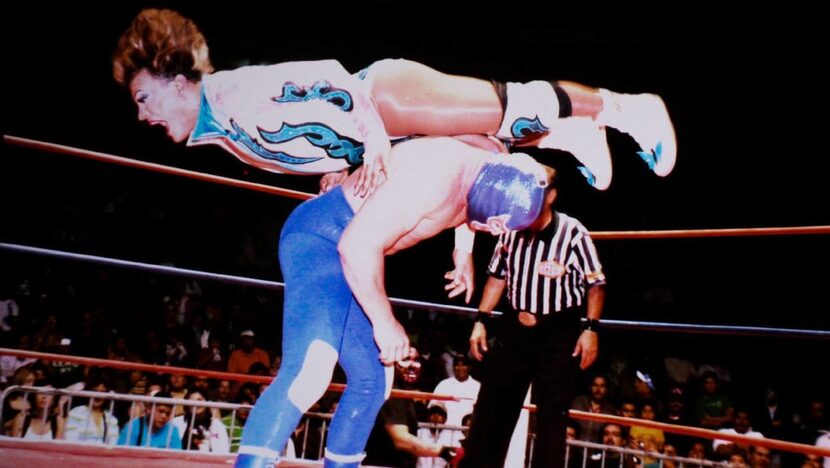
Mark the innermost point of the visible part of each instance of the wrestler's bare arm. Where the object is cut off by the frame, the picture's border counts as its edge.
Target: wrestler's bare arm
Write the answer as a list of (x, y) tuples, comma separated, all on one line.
[(418, 201)]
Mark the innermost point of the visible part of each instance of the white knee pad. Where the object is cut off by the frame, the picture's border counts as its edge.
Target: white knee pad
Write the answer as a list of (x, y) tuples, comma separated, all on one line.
[(531, 110), (336, 457), (314, 376)]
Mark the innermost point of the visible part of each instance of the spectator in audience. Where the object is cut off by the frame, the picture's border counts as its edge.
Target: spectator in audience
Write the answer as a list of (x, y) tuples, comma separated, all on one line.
[(177, 387), (595, 403), (154, 385), (16, 404), (741, 425), (614, 436), (628, 409), (643, 389), (698, 450), (677, 414), (814, 423), (222, 394), (759, 456), (200, 430), (572, 430), (647, 438), (153, 429), (771, 418), (243, 357), (574, 454), (93, 423), (676, 408), (200, 384), (466, 423), (223, 391), (824, 442), (670, 450), (437, 414), (251, 389), (10, 364), (138, 383), (713, 409), (212, 355), (119, 351), (43, 421), (737, 460), (48, 337), (393, 441), (64, 373), (176, 349), (203, 386), (41, 371), (811, 461), (459, 385), (25, 375), (235, 422)]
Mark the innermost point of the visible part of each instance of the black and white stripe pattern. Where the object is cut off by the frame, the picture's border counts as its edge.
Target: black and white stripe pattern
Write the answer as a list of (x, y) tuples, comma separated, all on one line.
[(522, 258)]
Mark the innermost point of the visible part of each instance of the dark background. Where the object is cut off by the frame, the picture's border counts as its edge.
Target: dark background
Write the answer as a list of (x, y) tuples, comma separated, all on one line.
[(742, 96)]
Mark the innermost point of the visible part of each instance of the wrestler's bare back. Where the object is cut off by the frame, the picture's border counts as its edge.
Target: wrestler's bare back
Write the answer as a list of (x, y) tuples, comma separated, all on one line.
[(425, 193)]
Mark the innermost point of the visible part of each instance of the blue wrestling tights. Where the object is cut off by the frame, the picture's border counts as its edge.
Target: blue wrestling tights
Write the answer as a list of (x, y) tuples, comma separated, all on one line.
[(322, 325)]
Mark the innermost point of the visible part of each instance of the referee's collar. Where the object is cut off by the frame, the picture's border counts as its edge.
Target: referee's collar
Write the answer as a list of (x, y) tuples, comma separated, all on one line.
[(551, 227)]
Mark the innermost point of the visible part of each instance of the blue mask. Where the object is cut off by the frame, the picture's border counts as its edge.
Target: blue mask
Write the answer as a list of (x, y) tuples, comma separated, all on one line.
[(511, 185)]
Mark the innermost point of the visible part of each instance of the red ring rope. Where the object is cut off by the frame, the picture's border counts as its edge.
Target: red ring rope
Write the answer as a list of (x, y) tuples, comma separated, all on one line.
[(671, 234)]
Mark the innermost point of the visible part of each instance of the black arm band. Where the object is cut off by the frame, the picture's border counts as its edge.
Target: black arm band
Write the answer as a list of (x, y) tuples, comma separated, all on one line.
[(483, 317), (593, 325)]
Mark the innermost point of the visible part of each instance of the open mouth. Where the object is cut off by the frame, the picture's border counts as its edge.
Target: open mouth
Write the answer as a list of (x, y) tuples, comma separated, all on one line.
[(161, 123)]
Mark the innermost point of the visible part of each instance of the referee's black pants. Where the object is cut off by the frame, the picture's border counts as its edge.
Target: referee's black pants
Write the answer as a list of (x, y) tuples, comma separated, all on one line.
[(520, 356)]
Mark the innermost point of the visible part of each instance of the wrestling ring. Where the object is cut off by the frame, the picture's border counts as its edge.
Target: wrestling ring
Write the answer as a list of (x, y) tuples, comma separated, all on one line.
[(16, 452)]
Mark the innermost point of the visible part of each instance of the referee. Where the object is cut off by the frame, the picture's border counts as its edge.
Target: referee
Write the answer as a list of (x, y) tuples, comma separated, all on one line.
[(552, 276)]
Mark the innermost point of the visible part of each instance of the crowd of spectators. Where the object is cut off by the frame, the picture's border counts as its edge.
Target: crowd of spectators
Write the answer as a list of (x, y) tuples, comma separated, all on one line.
[(136, 317)]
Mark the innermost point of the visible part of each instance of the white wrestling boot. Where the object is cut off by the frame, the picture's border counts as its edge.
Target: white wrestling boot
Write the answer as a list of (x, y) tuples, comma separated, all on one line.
[(645, 118), (585, 140)]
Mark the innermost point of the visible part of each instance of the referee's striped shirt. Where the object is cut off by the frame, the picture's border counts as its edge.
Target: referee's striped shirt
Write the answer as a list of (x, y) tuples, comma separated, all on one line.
[(549, 270)]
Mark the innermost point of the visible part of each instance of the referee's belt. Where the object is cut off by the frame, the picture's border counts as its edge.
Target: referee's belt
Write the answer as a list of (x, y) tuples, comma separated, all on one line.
[(527, 319)]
